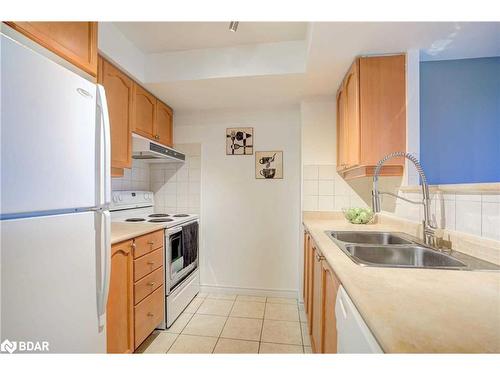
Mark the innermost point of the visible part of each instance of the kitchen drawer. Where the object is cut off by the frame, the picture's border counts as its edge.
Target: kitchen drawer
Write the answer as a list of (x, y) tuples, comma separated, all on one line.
[(148, 263), (145, 286), (149, 313), (149, 242)]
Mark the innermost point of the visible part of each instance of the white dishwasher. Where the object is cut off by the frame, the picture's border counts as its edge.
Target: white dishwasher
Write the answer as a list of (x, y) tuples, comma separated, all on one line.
[(353, 335)]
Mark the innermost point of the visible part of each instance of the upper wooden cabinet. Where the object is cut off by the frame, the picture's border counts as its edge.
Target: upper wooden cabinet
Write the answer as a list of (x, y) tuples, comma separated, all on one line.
[(75, 42), (163, 124), (144, 112), (119, 96), (120, 308), (371, 116)]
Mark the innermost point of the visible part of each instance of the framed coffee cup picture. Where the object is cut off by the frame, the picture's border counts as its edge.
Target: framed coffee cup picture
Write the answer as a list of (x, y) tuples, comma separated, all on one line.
[(269, 165)]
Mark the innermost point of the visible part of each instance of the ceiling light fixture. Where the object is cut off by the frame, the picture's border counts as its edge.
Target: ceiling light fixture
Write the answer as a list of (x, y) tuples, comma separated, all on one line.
[(233, 26)]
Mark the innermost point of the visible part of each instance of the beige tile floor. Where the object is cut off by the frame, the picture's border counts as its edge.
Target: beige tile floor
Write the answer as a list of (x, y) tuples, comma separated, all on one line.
[(223, 323)]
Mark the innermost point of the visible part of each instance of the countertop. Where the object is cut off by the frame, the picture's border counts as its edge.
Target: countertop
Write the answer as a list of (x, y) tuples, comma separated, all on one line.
[(125, 231), (416, 310)]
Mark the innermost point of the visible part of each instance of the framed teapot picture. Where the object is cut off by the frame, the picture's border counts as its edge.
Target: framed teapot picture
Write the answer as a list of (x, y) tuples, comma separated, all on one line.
[(269, 165)]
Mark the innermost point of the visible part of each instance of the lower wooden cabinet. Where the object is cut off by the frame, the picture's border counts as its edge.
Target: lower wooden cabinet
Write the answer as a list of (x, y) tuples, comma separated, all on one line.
[(136, 302), (149, 314), (120, 307), (320, 293), (330, 286)]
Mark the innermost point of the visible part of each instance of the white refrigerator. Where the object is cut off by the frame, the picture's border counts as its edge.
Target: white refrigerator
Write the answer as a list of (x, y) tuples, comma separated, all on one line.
[(55, 191)]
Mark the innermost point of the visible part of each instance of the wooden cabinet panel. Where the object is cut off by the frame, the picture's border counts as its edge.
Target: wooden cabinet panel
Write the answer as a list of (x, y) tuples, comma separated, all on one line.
[(383, 107), (148, 263), (148, 284), (371, 116), (119, 96), (316, 316), (149, 242), (120, 306), (75, 42), (163, 124), (341, 130), (144, 112), (305, 271), (330, 287), (310, 282), (149, 313), (352, 124)]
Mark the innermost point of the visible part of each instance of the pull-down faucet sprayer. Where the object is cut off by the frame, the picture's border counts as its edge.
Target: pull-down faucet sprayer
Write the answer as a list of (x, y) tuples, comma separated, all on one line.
[(429, 228)]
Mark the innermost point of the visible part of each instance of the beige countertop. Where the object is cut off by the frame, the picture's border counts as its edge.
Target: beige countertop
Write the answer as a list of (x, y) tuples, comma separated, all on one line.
[(125, 231), (416, 310)]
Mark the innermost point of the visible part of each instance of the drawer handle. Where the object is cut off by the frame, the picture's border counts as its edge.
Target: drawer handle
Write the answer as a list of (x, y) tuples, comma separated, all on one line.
[(151, 263), (151, 284), (151, 243), (151, 314)]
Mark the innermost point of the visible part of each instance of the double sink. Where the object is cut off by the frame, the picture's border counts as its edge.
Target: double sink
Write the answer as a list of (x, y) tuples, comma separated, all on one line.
[(387, 249)]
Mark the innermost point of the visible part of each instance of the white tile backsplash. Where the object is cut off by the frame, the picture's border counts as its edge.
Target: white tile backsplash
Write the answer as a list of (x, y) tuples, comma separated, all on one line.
[(311, 172), (327, 172), (326, 187), (477, 214), (136, 178), (324, 190), (490, 219)]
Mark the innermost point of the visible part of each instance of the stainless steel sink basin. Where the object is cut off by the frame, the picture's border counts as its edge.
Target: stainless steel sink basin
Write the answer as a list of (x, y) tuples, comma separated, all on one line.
[(402, 256), (392, 249), (375, 238)]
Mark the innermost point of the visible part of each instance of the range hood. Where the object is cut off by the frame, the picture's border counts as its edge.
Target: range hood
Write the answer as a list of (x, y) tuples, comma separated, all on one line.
[(152, 152)]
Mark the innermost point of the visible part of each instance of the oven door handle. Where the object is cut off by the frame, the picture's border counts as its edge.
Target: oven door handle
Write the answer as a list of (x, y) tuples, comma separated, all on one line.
[(174, 230)]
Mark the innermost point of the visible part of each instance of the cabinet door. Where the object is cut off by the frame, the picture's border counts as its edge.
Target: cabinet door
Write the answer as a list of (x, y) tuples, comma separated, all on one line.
[(119, 95), (144, 112), (330, 287), (352, 115), (306, 270), (341, 130), (163, 124), (75, 42), (310, 282), (120, 307), (383, 107), (316, 316)]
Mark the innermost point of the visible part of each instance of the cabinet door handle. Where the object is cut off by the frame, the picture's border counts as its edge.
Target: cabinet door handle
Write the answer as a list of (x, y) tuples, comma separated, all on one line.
[(319, 257), (151, 243), (150, 314), (150, 263), (151, 284)]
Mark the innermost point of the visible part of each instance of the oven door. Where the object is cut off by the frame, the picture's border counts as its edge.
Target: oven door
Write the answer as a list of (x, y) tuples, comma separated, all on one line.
[(174, 260)]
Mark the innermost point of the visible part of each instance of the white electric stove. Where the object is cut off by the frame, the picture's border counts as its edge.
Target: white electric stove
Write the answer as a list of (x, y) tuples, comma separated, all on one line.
[(132, 206), (182, 282)]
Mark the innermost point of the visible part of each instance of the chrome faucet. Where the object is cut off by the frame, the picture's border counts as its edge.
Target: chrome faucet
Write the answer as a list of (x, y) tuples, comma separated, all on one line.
[(429, 228)]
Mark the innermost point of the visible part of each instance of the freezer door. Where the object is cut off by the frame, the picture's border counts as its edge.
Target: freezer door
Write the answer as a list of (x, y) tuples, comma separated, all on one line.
[(52, 282), (49, 134)]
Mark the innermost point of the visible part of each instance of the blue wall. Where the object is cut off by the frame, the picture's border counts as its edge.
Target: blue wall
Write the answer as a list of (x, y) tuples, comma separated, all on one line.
[(460, 120)]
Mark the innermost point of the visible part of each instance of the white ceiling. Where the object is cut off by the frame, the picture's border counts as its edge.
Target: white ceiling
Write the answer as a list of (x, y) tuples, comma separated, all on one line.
[(331, 47), (155, 37)]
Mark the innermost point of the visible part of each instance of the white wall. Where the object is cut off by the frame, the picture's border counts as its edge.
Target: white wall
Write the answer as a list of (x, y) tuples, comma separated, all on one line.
[(322, 188), (249, 228)]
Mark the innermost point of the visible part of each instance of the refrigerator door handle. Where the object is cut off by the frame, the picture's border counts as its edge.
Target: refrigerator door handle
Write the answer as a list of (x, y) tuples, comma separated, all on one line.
[(104, 147), (104, 258)]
